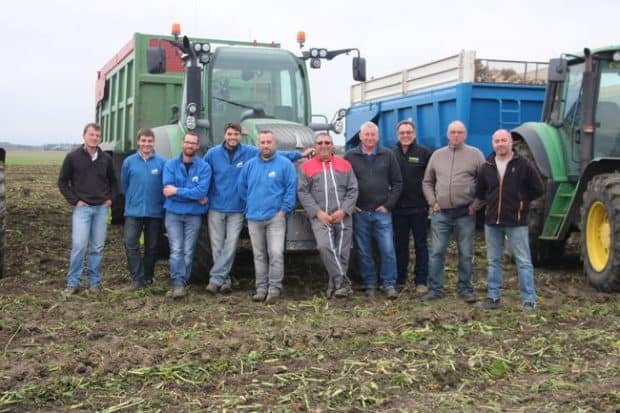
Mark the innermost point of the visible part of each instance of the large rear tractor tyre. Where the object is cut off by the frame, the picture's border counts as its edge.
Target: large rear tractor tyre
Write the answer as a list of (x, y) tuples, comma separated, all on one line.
[(2, 219), (203, 259), (600, 232)]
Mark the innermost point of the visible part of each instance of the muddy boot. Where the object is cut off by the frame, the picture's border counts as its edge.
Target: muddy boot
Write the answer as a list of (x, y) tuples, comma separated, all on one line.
[(178, 291), (212, 288), (259, 296), (226, 288), (272, 297)]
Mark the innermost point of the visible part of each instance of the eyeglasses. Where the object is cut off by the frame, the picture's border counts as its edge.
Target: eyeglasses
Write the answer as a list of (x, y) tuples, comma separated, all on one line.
[(190, 143), (321, 143)]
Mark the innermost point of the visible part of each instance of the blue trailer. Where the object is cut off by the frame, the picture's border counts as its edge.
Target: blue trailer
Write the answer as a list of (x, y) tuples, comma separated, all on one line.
[(458, 87)]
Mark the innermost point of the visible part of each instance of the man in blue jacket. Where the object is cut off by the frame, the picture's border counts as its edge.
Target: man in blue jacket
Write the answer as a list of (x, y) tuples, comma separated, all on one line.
[(226, 207), (268, 185), (186, 184), (141, 180)]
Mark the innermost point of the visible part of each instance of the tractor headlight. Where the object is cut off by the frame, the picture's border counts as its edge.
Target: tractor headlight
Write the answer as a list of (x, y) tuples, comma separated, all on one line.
[(338, 126), (190, 122), (192, 108)]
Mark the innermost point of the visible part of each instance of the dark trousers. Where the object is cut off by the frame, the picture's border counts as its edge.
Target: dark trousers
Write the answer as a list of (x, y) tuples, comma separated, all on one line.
[(417, 225), (141, 269)]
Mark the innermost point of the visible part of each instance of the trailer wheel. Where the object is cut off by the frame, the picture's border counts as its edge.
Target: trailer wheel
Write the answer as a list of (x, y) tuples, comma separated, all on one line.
[(2, 219), (203, 259), (600, 232)]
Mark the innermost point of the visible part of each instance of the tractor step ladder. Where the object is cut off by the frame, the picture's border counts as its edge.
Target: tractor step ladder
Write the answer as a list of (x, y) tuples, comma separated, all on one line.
[(559, 210)]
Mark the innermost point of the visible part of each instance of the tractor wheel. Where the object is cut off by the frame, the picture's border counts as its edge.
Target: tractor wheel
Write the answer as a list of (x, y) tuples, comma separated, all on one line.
[(600, 232), (2, 219), (203, 260)]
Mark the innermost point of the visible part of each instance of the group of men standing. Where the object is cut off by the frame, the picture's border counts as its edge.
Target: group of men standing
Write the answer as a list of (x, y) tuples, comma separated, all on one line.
[(373, 195)]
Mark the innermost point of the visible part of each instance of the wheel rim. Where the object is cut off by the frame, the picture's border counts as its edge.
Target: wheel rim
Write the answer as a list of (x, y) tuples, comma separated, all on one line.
[(598, 236)]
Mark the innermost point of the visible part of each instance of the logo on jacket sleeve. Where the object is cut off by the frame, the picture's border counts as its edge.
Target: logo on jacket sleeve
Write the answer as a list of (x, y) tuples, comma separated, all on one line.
[(272, 174)]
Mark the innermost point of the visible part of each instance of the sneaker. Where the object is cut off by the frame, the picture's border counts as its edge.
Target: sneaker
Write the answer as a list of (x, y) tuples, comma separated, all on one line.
[(529, 307), (95, 289), (133, 286), (342, 292), (432, 295), (391, 293), (212, 288), (259, 296), (272, 297), (226, 288), (489, 304), (370, 292), (468, 297), (70, 290), (421, 289), (178, 291)]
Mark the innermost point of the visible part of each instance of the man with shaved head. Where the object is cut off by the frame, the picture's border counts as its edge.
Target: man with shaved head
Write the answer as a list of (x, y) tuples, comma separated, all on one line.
[(508, 183), (449, 188)]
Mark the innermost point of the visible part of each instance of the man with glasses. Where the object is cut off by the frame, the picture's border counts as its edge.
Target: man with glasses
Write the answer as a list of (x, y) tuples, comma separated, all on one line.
[(327, 189), (449, 187), (410, 215), (186, 184), (380, 183)]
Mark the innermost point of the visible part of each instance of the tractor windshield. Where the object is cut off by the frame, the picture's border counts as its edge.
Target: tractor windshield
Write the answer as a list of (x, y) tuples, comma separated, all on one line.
[(255, 82)]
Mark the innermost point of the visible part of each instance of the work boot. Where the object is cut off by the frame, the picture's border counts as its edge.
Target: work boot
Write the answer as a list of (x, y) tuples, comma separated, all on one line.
[(133, 286), (489, 304), (212, 288), (529, 307), (432, 295), (259, 296), (421, 289), (370, 292), (178, 291), (272, 297), (468, 297), (70, 290), (95, 289), (391, 293), (342, 292), (226, 288)]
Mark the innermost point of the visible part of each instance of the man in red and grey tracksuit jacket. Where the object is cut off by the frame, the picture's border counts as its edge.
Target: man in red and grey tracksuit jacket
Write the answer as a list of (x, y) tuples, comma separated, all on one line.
[(327, 189)]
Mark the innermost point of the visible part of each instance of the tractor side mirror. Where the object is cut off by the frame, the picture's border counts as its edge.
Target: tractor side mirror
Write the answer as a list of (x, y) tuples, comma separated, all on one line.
[(156, 60), (557, 70), (359, 69)]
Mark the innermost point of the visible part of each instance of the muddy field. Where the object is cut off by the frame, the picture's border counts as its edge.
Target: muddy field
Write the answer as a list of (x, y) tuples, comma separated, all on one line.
[(143, 352)]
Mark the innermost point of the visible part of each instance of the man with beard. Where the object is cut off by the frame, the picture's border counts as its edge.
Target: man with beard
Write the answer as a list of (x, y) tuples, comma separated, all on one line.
[(267, 185), (186, 184)]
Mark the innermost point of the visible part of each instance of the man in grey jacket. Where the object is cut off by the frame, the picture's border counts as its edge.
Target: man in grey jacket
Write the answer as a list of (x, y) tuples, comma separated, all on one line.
[(449, 187), (327, 189)]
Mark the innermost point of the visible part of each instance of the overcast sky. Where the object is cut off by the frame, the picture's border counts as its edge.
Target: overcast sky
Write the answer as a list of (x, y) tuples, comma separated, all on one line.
[(52, 49)]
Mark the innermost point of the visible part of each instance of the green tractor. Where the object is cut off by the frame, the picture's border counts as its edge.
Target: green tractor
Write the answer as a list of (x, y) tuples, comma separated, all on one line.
[(576, 149)]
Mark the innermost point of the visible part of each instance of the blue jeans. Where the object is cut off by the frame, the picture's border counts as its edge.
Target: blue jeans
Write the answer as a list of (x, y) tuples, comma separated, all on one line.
[(378, 225), (519, 243), (88, 226), (141, 269), (416, 224), (268, 248), (183, 233), (463, 228), (224, 229)]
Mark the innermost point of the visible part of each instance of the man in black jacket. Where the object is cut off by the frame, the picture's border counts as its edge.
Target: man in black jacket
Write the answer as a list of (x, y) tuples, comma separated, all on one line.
[(87, 181), (508, 183), (380, 183), (411, 212)]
